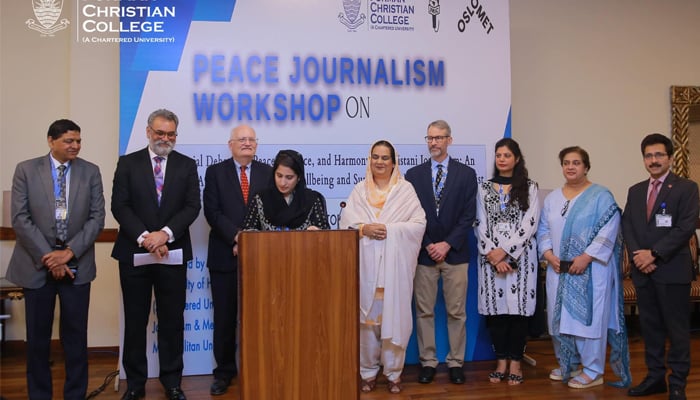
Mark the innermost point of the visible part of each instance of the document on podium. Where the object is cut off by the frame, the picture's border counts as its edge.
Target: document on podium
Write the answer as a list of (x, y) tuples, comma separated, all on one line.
[(174, 257)]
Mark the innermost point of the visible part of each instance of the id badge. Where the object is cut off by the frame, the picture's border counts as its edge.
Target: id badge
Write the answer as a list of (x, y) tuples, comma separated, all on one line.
[(503, 227), (663, 221), (61, 213)]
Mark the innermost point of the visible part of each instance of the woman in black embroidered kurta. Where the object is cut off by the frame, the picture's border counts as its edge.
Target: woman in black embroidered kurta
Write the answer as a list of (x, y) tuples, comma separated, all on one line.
[(507, 216)]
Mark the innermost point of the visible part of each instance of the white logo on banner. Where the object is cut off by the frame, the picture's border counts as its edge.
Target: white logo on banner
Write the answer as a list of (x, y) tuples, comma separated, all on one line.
[(352, 17), (47, 12)]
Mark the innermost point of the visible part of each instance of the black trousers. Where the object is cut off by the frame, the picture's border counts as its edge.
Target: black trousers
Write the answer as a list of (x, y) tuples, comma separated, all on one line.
[(509, 335), (664, 312), (224, 292), (169, 284), (40, 304)]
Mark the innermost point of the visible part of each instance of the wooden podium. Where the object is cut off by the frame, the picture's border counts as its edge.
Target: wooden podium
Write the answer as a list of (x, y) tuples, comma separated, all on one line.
[(299, 311)]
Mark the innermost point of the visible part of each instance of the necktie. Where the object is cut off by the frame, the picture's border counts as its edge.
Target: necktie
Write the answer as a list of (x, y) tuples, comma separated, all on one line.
[(245, 188), (652, 197), (61, 206), (158, 175), (438, 185)]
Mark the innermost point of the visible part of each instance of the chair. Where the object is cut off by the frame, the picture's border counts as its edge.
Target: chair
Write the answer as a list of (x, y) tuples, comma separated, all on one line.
[(8, 290)]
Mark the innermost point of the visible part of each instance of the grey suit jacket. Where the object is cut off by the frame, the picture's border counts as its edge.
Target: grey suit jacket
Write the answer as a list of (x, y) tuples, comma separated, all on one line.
[(34, 223)]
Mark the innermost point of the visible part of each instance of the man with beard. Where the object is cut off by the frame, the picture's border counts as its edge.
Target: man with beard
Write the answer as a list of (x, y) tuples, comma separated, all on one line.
[(155, 198), (447, 191)]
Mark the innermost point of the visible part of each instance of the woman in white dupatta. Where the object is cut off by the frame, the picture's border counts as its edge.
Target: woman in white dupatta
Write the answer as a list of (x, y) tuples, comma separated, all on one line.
[(386, 210)]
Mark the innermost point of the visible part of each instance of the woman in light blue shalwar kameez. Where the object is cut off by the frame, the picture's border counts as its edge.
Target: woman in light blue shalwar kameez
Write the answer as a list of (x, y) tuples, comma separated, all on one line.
[(580, 223)]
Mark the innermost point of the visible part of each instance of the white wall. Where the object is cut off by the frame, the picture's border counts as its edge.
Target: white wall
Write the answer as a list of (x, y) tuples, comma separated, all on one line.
[(594, 73), (598, 74), (43, 79)]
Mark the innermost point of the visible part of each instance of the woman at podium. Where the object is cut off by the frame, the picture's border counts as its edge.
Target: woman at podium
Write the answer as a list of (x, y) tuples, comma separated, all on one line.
[(386, 211), (289, 204)]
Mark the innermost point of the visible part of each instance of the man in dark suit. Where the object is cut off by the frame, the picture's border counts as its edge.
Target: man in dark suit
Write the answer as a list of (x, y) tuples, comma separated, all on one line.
[(155, 199), (58, 210), (228, 186), (659, 218), (447, 191)]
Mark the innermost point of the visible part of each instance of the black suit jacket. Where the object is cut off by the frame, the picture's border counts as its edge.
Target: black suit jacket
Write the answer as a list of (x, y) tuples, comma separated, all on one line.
[(680, 197), (457, 209), (135, 202), (224, 208)]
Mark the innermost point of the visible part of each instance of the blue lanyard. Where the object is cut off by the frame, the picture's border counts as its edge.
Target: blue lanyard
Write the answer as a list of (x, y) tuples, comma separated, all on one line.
[(503, 197)]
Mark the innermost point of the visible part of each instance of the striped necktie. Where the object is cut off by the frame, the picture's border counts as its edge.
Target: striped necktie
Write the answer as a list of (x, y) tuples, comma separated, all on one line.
[(158, 175)]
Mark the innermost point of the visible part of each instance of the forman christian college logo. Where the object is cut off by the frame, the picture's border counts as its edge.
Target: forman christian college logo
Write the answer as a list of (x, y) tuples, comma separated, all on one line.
[(47, 12)]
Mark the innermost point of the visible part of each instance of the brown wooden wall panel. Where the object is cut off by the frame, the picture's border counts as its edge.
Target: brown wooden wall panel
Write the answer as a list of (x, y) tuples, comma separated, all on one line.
[(106, 236), (299, 296)]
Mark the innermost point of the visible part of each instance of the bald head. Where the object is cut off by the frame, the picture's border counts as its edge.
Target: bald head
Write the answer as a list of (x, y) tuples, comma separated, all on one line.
[(243, 144)]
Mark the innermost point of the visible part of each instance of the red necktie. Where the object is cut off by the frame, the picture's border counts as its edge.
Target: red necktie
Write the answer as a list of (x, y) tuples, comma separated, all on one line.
[(652, 197), (244, 184)]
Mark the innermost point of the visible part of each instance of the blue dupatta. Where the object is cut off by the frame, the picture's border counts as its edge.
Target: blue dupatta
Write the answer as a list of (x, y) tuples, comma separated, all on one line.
[(590, 213)]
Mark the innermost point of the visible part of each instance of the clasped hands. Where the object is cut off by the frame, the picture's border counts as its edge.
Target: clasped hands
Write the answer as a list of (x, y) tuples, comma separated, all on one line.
[(438, 251), (374, 231), (644, 261), (155, 243), (578, 264), (497, 258), (56, 262)]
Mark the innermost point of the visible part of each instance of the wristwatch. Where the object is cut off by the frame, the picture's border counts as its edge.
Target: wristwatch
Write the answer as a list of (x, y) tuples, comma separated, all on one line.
[(655, 254)]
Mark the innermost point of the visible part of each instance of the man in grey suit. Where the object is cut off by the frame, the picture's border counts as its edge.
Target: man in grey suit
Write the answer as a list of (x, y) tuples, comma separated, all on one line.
[(58, 210), (228, 186), (659, 218), (447, 191)]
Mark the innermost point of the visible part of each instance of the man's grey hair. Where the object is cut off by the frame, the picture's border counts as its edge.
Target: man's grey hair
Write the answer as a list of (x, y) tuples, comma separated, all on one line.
[(441, 124), (163, 113)]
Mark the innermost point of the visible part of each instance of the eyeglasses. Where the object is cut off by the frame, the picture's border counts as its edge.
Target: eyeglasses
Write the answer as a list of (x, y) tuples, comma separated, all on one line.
[(657, 156), (160, 134), (438, 139), (245, 140)]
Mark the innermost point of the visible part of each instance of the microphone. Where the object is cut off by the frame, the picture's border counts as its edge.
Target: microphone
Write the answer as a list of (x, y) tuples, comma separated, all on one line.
[(342, 205), (434, 10)]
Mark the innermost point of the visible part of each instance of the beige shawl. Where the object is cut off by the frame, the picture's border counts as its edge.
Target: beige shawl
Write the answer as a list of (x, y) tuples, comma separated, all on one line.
[(396, 255)]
